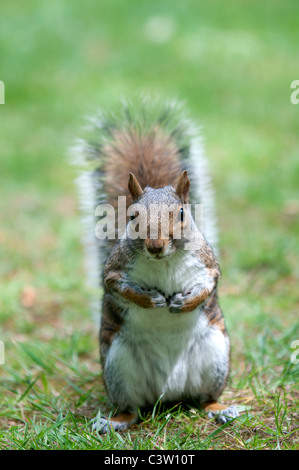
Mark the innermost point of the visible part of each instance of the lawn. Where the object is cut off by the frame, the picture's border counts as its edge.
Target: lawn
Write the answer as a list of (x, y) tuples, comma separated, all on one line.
[(233, 64)]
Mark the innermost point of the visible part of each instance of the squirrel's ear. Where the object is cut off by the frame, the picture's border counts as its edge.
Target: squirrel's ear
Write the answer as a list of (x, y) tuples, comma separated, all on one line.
[(134, 187), (183, 187)]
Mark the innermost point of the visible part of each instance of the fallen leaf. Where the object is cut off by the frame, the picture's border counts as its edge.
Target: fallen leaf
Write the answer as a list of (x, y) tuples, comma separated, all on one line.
[(28, 296)]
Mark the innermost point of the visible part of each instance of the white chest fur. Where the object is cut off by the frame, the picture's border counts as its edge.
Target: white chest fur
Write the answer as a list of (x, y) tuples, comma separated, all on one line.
[(176, 273)]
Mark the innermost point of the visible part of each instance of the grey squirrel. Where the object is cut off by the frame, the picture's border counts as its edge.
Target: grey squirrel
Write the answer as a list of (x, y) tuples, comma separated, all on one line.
[(162, 333)]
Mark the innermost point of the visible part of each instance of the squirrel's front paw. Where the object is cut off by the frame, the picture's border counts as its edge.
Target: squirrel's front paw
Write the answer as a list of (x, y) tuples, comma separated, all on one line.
[(176, 303), (157, 298)]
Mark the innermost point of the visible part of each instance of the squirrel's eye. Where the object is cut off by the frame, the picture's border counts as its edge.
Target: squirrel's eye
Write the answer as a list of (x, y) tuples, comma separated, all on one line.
[(182, 214), (133, 216)]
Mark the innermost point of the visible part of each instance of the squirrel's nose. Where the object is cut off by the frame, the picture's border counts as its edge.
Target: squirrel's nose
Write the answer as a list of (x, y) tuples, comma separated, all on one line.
[(155, 247)]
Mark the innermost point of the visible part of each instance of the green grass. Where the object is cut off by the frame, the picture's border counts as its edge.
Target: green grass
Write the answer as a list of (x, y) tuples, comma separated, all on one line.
[(233, 63)]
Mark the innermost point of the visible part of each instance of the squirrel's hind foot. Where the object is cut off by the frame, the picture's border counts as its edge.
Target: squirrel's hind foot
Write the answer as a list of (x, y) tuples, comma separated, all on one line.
[(224, 416), (121, 422), (221, 413)]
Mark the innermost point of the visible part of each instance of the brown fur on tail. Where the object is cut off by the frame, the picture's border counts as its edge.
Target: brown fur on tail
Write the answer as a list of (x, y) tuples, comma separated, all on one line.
[(152, 157)]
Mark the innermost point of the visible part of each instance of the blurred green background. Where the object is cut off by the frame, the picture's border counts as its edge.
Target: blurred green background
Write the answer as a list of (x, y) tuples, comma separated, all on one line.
[(232, 63)]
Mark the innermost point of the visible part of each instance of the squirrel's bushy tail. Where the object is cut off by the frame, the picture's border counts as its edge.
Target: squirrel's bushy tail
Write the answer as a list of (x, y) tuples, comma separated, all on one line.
[(155, 142)]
